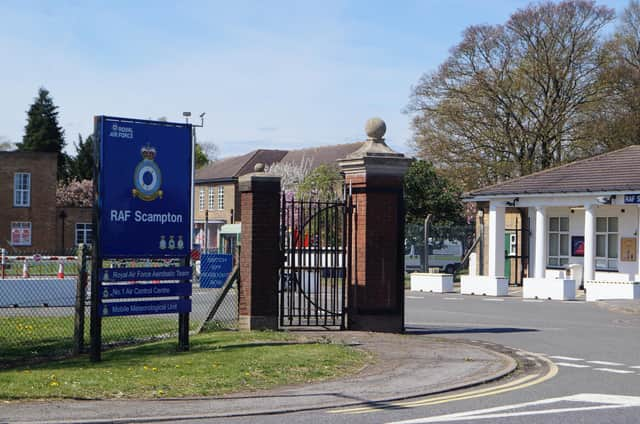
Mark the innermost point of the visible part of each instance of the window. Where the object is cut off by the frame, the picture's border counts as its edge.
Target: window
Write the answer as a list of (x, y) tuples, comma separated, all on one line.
[(211, 204), (201, 199), (607, 243), (221, 197), (558, 241), (22, 190), (21, 234), (84, 233)]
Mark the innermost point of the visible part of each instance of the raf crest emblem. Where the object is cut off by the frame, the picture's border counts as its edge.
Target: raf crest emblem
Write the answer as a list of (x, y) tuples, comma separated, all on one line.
[(147, 177)]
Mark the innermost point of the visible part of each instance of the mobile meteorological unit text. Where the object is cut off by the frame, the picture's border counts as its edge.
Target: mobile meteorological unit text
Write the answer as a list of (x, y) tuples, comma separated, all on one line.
[(118, 215)]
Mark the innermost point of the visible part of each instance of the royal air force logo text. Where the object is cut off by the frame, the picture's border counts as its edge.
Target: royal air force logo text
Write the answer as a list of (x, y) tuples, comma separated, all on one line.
[(121, 132), (147, 178)]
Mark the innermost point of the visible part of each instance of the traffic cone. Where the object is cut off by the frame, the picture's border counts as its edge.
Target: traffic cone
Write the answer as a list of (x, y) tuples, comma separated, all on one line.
[(61, 270), (25, 269)]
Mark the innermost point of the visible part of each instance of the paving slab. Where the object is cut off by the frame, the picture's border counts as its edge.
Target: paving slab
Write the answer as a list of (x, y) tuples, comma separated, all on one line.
[(402, 366)]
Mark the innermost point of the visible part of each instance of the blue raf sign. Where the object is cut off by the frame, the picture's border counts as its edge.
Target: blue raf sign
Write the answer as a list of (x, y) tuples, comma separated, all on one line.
[(144, 188)]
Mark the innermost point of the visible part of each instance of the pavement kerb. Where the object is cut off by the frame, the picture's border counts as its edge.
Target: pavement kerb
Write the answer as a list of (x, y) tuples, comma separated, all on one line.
[(507, 366)]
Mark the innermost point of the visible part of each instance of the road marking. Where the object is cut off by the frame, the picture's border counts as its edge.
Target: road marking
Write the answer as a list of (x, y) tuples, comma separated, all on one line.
[(567, 364), (493, 300), (566, 358), (453, 298), (520, 383), (611, 364), (415, 297), (615, 371), (603, 401), (637, 367), (532, 300)]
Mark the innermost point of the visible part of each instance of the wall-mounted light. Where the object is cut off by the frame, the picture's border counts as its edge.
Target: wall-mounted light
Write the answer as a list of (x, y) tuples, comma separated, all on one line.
[(513, 202), (605, 200)]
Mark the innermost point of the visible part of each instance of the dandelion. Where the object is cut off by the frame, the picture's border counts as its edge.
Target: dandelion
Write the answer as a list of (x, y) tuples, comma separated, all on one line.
[(177, 366), (154, 369), (160, 392), (54, 384), (145, 367)]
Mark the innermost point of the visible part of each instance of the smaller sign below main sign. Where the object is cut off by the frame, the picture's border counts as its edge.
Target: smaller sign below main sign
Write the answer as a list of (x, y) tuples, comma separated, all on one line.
[(124, 291), (632, 198), (214, 270), (142, 274), (116, 309)]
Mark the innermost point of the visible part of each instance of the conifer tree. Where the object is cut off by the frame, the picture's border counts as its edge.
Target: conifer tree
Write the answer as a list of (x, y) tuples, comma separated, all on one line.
[(82, 165), (43, 133)]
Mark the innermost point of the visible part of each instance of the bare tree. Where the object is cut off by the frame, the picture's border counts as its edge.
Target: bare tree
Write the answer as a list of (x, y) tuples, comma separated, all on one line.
[(509, 99), (616, 122)]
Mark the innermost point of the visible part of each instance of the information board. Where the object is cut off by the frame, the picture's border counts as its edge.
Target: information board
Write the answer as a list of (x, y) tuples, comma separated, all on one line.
[(214, 269), (144, 188)]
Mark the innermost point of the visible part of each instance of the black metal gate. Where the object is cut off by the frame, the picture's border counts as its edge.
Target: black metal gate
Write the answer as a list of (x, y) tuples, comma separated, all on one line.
[(315, 238)]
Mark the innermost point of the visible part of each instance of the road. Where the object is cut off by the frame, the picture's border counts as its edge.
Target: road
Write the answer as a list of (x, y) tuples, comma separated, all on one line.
[(596, 353)]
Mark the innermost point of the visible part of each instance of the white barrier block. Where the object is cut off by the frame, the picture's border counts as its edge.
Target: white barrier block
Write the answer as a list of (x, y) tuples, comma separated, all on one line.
[(549, 288), (437, 283), (602, 290), (484, 285)]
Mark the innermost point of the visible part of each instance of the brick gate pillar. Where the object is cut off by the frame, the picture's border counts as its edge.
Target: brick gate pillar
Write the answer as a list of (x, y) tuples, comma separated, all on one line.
[(375, 174), (259, 251)]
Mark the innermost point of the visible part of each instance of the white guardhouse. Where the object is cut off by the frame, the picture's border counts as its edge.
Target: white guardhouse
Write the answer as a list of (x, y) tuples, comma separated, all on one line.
[(582, 216)]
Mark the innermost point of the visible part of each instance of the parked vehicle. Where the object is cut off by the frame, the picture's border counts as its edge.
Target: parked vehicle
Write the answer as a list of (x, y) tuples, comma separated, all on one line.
[(445, 255)]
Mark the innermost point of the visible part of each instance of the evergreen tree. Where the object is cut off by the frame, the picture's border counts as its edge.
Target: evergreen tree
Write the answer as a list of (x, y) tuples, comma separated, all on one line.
[(82, 165), (43, 133)]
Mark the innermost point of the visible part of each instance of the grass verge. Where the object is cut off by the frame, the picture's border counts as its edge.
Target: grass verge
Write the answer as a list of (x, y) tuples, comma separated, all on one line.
[(218, 363), (28, 337)]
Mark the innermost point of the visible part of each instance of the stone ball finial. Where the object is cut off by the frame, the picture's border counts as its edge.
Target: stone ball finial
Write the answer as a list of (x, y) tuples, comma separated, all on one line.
[(375, 128), (258, 167)]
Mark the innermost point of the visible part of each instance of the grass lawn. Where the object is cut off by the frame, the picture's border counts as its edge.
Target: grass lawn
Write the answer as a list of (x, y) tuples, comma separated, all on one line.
[(28, 337), (218, 363)]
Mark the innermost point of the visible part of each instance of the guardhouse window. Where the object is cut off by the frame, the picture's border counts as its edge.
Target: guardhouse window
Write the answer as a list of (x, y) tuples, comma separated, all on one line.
[(558, 241), (607, 243)]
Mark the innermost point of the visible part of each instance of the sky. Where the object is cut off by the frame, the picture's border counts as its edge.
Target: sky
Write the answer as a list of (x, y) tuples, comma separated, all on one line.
[(268, 74)]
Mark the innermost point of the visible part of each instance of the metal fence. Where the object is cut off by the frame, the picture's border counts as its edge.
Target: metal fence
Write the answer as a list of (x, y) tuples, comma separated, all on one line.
[(446, 246), (44, 309)]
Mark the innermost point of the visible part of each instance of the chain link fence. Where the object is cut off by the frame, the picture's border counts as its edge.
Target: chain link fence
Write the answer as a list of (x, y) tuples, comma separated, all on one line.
[(45, 308), (446, 246)]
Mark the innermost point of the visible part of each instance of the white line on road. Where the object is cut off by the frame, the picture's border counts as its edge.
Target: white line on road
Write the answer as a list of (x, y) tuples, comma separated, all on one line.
[(453, 298), (493, 300), (566, 358), (637, 367), (415, 297), (615, 371), (609, 401), (611, 364), (567, 364)]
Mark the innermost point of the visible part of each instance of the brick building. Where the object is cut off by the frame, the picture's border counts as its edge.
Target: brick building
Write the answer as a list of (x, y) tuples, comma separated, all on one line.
[(30, 222)]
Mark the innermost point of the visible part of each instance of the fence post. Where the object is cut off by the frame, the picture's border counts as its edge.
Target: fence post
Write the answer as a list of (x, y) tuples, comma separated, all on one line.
[(4, 263), (81, 297)]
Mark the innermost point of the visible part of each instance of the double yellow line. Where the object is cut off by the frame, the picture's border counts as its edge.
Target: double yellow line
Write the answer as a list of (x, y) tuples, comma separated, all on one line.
[(518, 384)]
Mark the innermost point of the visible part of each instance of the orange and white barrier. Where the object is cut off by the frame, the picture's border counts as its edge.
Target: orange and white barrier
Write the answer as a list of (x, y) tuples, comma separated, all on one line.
[(25, 269), (61, 270)]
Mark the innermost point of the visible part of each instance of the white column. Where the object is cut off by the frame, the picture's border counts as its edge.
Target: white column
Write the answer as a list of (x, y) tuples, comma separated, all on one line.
[(541, 242), (496, 240), (589, 243)]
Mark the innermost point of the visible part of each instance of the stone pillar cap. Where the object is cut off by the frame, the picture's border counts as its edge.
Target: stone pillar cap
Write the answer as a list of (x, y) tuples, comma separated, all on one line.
[(375, 145)]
